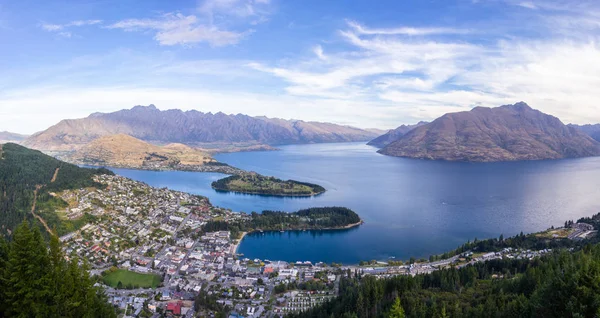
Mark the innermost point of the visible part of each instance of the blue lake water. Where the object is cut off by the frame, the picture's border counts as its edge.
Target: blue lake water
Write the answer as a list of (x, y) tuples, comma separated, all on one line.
[(411, 207)]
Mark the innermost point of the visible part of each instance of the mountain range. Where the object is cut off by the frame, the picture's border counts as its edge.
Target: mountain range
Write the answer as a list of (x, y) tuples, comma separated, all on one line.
[(6, 136), (192, 128), (505, 133)]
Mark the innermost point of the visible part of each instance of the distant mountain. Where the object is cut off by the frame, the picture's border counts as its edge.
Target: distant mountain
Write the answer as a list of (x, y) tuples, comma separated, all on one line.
[(192, 128), (505, 133), (6, 136), (125, 151), (591, 130), (393, 135)]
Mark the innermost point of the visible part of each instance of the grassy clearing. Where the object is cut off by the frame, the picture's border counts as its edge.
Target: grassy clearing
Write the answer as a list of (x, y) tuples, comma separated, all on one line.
[(556, 233), (130, 280)]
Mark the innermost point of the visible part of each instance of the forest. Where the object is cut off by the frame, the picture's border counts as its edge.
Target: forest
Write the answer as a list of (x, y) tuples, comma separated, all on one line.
[(254, 183), (564, 283), (306, 219), (21, 170), (37, 281)]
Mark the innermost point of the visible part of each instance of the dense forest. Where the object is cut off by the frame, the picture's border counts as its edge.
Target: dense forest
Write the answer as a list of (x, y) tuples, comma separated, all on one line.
[(21, 170), (306, 219), (564, 283), (37, 281), (254, 183)]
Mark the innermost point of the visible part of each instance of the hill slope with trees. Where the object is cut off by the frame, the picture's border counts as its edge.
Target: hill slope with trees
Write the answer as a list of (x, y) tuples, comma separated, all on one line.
[(37, 281), (23, 170)]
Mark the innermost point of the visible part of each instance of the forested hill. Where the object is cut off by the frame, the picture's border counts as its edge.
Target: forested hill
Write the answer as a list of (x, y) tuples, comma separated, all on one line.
[(22, 169)]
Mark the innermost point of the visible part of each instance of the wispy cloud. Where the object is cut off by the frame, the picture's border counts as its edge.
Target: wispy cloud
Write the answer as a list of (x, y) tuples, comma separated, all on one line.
[(238, 8), (527, 4), (62, 29), (218, 23), (76, 23), (176, 28), (361, 29), (424, 77)]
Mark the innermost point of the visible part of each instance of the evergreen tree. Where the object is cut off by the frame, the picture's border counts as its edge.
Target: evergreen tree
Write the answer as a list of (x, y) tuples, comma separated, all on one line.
[(37, 281), (397, 311)]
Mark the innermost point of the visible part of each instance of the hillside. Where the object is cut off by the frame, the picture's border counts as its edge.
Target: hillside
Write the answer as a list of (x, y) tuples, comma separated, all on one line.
[(505, 133), (591, 130), (393, 135), (192, 128), (22, 170), (6, 136), (125, 151)]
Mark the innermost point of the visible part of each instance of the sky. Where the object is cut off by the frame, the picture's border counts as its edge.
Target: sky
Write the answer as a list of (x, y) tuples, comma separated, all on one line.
[(370, 64)]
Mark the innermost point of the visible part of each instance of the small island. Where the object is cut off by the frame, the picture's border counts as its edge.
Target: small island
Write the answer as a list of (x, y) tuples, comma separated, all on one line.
[(254, 183), (324, 218)]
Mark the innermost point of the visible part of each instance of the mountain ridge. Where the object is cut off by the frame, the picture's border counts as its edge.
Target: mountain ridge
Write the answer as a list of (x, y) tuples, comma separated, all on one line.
[(191, 127), (504, 133), (393, 134), (592, 130), (6, 136)]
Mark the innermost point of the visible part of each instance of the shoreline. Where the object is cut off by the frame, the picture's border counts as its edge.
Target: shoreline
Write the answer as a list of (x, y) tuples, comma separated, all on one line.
[(223, 169), (346, 227), (271, 195), (239, 242)]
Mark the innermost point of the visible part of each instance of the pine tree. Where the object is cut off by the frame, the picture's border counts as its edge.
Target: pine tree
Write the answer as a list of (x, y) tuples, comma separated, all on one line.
[(396, 311), (36, 281)]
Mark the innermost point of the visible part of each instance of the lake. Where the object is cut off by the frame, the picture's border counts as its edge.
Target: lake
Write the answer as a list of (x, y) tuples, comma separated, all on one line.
[(411, 207)]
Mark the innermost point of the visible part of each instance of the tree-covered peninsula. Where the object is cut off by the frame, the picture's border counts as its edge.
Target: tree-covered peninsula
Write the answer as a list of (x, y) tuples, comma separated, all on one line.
[(325, 218), (254, 183)]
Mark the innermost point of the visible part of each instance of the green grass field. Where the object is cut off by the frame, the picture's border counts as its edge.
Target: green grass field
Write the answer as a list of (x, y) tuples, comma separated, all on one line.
[(130, 280)]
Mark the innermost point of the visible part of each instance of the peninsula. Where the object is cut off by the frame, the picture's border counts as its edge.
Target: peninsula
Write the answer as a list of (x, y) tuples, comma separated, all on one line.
[(254, 183), (323, 218)]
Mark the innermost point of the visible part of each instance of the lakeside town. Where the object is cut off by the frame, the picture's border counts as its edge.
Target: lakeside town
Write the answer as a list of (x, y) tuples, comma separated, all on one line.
[(154, 259)]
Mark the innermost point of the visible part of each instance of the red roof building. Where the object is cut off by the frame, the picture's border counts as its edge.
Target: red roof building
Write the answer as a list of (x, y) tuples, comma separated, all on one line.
[(175, 308)]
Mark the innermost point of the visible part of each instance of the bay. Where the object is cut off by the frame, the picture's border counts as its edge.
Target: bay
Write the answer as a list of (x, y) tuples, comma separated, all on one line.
[(411, 207)]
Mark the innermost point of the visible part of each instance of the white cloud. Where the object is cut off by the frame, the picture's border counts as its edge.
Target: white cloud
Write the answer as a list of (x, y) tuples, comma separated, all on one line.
[(176, 28), (52, 27), (360, 29), (528, 5), (238, 8), (214, 24), (61, 29), (84, 22), (65, 34)]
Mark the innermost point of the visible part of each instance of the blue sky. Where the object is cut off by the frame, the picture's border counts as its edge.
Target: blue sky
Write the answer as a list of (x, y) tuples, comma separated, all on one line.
[(362, 63)]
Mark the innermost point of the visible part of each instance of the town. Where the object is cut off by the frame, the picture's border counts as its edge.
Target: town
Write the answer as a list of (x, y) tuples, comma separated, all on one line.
[(148, 248)]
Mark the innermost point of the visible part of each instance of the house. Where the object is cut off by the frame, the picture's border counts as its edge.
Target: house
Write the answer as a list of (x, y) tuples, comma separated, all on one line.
[(175, 308)]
